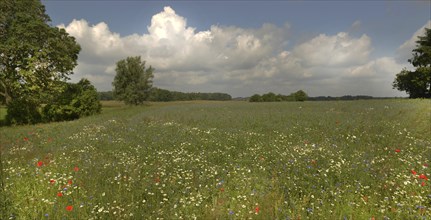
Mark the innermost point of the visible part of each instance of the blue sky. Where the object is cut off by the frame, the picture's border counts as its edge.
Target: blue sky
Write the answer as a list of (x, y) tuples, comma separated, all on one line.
[(247, 47)]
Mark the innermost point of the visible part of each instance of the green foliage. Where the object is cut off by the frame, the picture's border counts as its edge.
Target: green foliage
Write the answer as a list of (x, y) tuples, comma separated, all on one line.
[(34, 56), (106, 96), (255, 98), (163, 95), (160, 95), (269, 97), (300, 96), (417, 83), (422, 52), (23, 110), (87, 100), (75, 101), (34, 59), (345, 97), (133, 81)]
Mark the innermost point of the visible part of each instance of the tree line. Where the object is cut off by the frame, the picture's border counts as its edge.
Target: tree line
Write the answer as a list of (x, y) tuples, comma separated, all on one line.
[(298, 96), (344, 98), (163, 95)]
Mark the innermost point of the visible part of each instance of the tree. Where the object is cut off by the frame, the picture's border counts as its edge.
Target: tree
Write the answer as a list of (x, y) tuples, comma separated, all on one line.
[(133, 82), (269, 97), (300, 96), (417, 83), (34, 57), (255, 98)]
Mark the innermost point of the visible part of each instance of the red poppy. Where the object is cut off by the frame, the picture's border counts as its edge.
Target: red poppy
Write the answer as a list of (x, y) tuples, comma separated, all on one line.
[(59, 194), (423, 183), (69, 208), (69, 182), (413, 172), (52, 181), (422, 176), (25, 138), (39, 163), (397, 150), (76, 169), (257, 209)]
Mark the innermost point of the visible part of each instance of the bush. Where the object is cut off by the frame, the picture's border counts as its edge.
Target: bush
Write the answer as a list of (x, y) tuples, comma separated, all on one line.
[(55, 112), (87, 103), (23, 111), (77, 100)]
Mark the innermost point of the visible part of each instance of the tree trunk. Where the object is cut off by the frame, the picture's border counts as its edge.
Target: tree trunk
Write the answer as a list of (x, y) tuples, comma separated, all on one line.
[(5, 93)]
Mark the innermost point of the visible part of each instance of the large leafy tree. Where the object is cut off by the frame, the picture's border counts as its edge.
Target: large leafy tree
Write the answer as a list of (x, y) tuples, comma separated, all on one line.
[(34, 57), (417, 83), (133, 81)]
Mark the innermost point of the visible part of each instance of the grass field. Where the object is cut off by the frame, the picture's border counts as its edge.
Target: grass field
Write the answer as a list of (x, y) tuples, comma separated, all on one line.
[(224, 160)]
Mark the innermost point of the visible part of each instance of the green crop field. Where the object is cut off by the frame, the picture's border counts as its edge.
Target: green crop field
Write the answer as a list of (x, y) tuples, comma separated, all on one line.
[(224, 160)]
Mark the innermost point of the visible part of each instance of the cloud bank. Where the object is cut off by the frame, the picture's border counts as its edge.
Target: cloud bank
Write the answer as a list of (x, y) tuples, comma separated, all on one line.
[(238, 61)]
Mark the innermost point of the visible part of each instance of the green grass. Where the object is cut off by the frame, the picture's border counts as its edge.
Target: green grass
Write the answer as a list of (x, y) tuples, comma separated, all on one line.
[(224, 160)]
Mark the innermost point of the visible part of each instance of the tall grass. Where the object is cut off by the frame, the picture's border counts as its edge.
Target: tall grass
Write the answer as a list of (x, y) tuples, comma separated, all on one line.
[(224, 160)]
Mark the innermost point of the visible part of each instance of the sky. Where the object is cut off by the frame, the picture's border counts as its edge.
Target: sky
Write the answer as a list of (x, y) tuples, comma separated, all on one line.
[(326, 48)]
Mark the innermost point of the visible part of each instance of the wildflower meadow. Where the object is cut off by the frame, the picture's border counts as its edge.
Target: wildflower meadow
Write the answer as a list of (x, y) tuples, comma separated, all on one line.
[(224, 160)]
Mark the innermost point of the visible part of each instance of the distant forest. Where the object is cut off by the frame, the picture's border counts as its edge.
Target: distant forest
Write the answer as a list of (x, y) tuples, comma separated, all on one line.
[(163, 95), (349, 97)]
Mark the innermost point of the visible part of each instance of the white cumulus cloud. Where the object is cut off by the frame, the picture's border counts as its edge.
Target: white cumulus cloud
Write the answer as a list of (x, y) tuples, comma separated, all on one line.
[(379, 68), (180, 54), (337, 50), (233, 59)]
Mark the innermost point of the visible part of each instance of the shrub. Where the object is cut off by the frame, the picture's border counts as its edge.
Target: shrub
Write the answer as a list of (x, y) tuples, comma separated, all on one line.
[(77, 100), (55, 112), (23, 110)]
